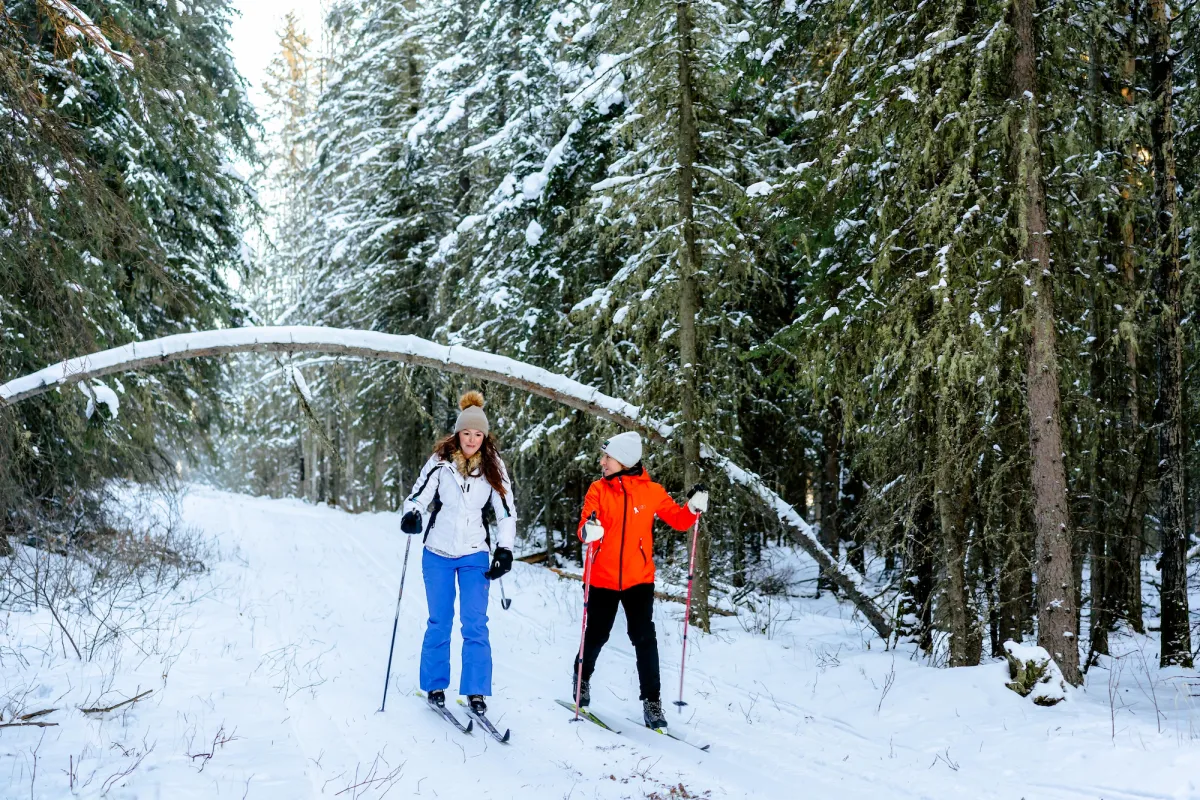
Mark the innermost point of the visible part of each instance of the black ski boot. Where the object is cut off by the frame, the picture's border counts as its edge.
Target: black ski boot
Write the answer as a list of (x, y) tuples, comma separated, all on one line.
[(436, 698), (477, 704), (585, 692), (652, 712)]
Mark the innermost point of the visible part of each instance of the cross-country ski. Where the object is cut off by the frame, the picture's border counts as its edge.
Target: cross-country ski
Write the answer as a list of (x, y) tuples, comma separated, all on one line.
[(445, 713), (482, 719)]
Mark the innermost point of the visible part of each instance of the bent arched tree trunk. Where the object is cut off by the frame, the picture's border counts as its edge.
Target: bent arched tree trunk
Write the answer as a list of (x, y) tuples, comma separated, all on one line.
[(459, 360)]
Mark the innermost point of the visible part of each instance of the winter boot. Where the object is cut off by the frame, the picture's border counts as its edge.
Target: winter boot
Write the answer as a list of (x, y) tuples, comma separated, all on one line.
[(652, 712), (477, 704), (436, 698), (585, 691)]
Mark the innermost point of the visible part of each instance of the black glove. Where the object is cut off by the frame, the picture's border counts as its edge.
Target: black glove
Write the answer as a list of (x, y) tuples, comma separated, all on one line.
[(501, 563), (699, 487), (411, 522)]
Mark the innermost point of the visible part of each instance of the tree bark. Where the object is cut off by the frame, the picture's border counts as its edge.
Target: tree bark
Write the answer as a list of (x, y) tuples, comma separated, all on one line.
[(916, 597), (1099, 512), (1176, 633), (1100, 617), (689, 264), (1124, 579), (831, 479), (952, 491), (1056, 591), (854, 491)]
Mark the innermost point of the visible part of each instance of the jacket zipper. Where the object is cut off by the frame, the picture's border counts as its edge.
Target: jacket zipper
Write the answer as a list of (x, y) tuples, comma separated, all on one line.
[(461, 490), (621, 556)]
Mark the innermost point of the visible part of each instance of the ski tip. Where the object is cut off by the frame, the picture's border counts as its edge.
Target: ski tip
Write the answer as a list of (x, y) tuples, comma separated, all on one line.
[(470, 725), (705, 747), (507, 733)]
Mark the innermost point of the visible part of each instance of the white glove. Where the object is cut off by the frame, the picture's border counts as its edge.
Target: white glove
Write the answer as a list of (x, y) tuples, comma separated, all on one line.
[(698, 499), (593, 531)]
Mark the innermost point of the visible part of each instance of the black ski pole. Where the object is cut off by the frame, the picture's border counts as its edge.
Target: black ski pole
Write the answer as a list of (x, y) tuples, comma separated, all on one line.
[(687, 612), (504, 601), (588, 558), (395, 623)]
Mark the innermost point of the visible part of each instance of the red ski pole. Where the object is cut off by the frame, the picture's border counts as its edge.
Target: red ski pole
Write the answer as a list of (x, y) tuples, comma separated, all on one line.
[(687, 612), (588, 558)]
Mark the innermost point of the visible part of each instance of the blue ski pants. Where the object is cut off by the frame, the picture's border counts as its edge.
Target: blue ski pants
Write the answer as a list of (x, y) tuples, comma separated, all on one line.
[(440, 573)]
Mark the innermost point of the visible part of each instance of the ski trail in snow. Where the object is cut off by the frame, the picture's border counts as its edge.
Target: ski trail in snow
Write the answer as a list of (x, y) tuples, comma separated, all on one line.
[(323, 585), (282, 644)]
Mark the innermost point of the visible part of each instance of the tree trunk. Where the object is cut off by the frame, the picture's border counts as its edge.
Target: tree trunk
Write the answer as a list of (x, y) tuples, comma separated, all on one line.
[(689, 291), (1125, 573), (831, 476), (989, 588), (301, 492), (854, 491), (457, 360), (952, 491), (1056, 591), (1099, 513), (915, 609), (1100, 618), (1176, 634)]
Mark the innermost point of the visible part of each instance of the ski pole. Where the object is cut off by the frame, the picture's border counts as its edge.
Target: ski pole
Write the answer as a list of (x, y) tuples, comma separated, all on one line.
[(504, 601), (395, 623), (588, 558), (687, 612)]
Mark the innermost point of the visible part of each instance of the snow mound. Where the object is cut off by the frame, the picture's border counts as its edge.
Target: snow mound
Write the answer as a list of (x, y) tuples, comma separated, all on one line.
[(1034, 674)]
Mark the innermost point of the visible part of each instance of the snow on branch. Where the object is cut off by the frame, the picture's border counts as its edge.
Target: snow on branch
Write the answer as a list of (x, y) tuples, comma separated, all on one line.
[(420, 352), (72, 23)]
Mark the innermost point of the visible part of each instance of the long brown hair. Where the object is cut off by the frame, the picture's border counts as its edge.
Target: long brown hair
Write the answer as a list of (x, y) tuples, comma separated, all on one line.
[(493, 466)]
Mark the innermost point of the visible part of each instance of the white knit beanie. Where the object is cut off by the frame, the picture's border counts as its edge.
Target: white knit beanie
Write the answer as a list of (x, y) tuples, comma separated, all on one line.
[(625, 447), (471, 417)]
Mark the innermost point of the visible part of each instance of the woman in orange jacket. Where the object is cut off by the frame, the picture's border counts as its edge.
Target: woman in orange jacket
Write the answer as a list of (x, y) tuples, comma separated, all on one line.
[(620, 539)]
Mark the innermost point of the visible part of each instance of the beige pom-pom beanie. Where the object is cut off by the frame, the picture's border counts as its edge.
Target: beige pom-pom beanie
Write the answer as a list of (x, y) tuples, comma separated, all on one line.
[(471, 417)]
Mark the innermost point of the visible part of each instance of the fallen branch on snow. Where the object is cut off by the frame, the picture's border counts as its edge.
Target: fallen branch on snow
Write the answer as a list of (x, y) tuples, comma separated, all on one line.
[(672, 598), (118, 705)]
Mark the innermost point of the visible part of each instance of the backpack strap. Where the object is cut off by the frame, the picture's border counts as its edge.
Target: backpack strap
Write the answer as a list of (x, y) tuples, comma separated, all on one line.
[(437, 506), (487, 525)]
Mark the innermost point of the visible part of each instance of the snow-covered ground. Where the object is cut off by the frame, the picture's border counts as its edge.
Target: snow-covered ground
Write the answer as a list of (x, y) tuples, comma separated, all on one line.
[(268, 677)]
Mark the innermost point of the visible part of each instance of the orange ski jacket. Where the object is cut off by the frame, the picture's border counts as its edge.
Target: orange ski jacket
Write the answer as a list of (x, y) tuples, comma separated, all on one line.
[(626, 504)]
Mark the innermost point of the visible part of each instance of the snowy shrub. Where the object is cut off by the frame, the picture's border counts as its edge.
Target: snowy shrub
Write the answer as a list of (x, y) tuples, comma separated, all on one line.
[(106, 581), (1033, 673)]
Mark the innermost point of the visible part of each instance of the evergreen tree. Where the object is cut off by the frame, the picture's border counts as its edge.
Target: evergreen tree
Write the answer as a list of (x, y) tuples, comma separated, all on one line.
[(126, 221)]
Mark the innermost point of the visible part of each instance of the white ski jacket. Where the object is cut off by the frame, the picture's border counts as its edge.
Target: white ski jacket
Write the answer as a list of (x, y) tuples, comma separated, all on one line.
[(453, 526)]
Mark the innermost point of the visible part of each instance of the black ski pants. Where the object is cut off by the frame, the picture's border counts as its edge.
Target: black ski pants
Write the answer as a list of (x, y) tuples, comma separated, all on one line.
[(639, 613)]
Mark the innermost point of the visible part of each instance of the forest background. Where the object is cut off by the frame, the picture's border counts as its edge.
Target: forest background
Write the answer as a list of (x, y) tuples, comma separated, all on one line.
[(926, 268)]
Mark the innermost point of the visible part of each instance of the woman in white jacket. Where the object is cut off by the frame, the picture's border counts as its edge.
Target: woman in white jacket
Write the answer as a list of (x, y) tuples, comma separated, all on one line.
[(463, 484)]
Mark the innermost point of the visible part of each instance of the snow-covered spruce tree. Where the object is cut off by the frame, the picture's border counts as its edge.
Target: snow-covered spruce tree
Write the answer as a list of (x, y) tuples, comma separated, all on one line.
[(684, 151), (519, 107), (918, 155), (357, 248), (905, 313), (125, 222)]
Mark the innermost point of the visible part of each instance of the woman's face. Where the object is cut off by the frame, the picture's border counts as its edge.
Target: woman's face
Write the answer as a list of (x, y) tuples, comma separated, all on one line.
[(469, 441), (609, 465)]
